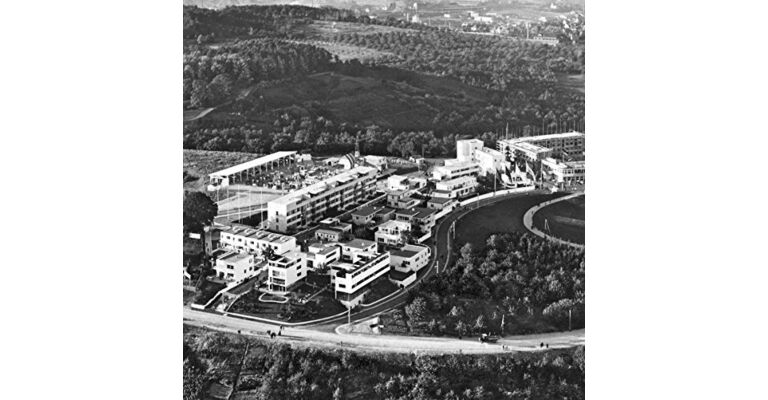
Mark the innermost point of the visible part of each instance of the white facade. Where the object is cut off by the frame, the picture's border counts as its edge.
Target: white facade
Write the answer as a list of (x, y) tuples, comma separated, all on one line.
[(568, 172), (351, 279), (465, 149), (319, 255), (397, 182), (391, 232), (571, 143), (489, 160), (255, 241), (285, 271), (455, 188), (409, 258), (447, 172), (354, 249), (307, 205), (237, 267)]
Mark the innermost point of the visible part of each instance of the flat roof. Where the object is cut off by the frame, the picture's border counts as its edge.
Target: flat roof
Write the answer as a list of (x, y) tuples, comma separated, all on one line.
[(563, 135), (359, 243), (400, 276), (234, 257), (403, 253), (259, 234), (460, 165), (407, 212), (460, 179), (252, 164), (391, 222), (441, 200), (323, 185), (365, 211), (424, 212), (528, 146)]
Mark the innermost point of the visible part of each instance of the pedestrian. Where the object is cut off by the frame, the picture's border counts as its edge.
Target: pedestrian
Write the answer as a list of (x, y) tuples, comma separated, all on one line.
[(547, 345), (542, 344)]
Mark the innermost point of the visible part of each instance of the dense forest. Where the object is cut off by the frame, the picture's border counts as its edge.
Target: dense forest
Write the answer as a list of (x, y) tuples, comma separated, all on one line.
[(250, 65), (212, 74), (531, 283), (491, 62), (260, 369), (280, 21)]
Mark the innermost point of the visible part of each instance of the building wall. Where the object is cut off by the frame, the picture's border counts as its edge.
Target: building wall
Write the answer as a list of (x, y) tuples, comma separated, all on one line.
[(294, 210), (413, 263), (283, 275)]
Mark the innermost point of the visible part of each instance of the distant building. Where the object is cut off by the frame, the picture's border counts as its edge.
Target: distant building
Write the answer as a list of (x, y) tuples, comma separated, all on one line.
[(333, 230), (243, 173), (455, 188), (402, 199), (465, 149), (457, 170), (421, 219), (552, 145), (356, 248), (489, 160), (565, 172), (367, 215), (409, 258), (441, 203), (391, 233)]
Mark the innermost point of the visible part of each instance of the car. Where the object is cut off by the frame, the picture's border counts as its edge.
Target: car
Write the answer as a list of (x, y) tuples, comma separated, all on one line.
[(486, 338)]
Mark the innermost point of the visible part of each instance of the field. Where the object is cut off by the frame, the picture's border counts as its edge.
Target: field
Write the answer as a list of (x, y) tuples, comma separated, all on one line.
[(504, 216), (565, 219), (325, 30), (349, 52), (571, 82), (199, 163), (385, 97)]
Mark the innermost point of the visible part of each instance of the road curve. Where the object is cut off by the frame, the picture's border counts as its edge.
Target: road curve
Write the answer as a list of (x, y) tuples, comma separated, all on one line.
[(314, 337), (324, 335)]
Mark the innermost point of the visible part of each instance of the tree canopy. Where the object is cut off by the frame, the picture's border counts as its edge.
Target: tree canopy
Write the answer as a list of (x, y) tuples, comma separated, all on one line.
[(199, 211)]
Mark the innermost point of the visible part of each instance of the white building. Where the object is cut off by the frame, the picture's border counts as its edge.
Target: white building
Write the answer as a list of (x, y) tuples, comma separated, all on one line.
[(391, 233), (565, 172), (356, 248), (245, 172), (309, 204), (530, 151), (441, 203), (489, 160), (459, 169), (559, 144), (285, 271), (397, 182), (455, 188), (352, 280), (421, 219), (237, 267), (255, 241), (465, 149), (409, 258), (319, 255), (332, 230)]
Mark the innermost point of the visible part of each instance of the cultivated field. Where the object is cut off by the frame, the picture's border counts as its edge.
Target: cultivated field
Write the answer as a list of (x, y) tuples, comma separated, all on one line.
[(324, 30), (348, 52)]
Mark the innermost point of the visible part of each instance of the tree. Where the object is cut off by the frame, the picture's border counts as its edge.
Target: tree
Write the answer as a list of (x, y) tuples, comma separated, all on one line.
[(461, 328), (199, 211), (480, 323), (193, 381), (417, 310)]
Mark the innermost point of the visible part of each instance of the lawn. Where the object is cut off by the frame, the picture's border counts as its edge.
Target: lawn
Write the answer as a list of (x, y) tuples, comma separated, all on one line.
[(323, 305), (504, 216), (206, 291), (380, 289), (565, 219)]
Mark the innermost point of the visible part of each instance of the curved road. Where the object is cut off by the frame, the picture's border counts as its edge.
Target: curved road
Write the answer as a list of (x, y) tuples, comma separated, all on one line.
[(324, 335)]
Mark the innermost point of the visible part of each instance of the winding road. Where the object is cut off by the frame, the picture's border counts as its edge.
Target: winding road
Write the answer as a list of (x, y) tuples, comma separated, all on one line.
[(322, 334)]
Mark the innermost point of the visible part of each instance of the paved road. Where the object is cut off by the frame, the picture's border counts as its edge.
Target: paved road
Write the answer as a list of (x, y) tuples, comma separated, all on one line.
[(323, 334), (312, 336)]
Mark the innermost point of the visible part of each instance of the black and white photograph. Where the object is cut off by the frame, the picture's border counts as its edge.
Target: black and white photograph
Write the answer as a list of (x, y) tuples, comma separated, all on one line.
[(383, 199)]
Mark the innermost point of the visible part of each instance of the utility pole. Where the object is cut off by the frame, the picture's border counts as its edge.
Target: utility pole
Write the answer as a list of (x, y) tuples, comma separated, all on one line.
[(349, 316), (569, 319)]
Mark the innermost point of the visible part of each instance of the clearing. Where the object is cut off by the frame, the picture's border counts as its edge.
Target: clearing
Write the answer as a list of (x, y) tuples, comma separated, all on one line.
[(565, 219)]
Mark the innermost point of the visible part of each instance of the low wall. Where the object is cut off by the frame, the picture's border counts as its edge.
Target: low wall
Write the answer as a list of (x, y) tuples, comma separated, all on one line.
[(496, 194), (528, 220)]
